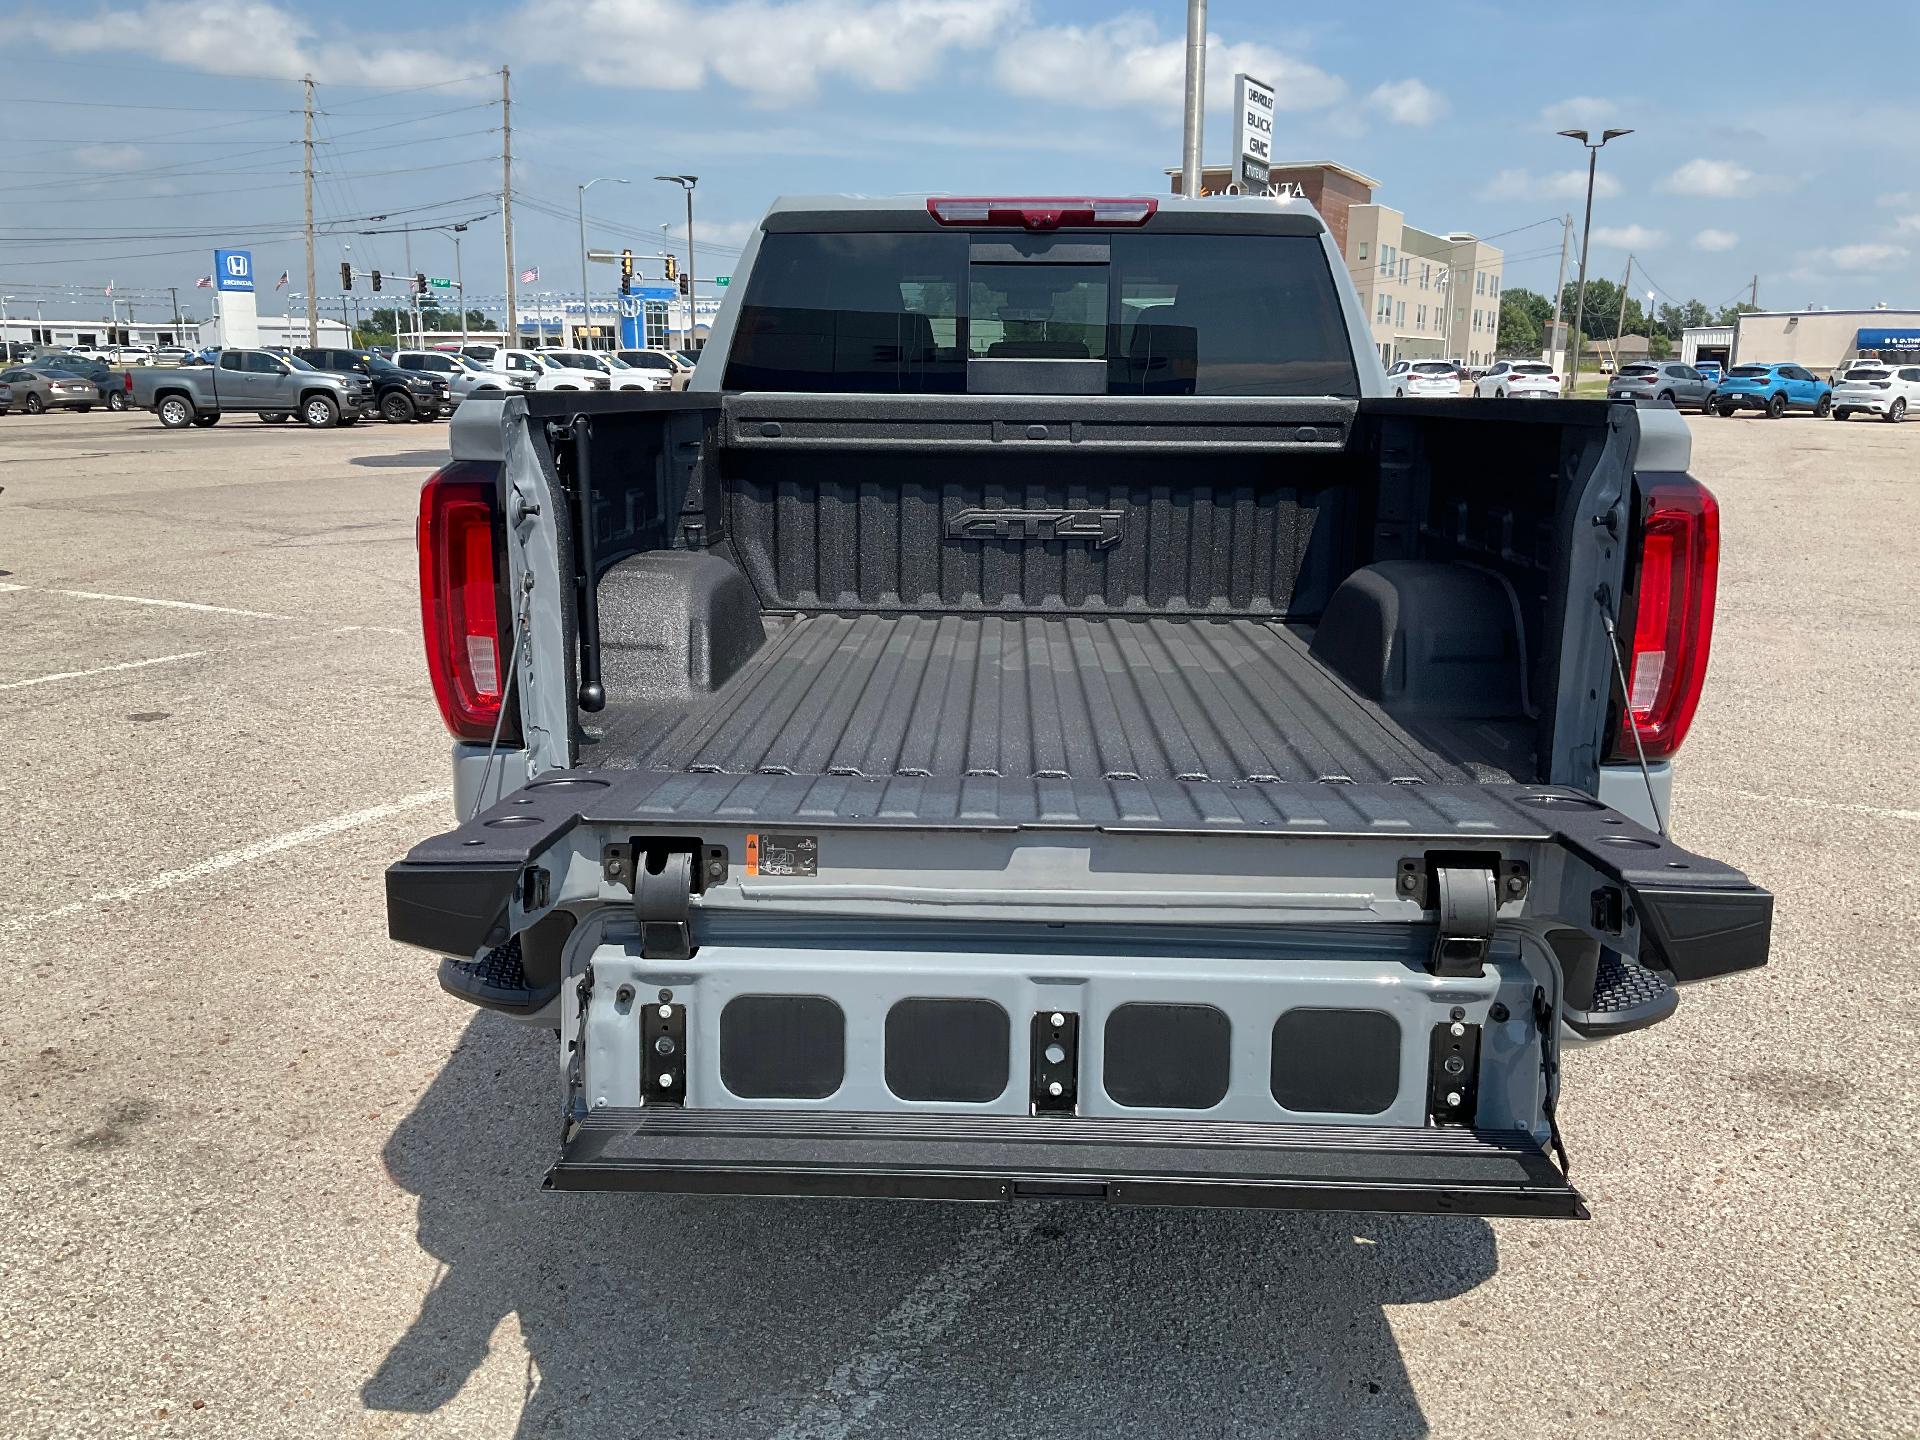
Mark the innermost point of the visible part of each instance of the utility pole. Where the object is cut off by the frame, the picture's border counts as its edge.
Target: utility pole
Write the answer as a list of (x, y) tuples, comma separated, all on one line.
[(1626, 285), (413, 295), (1191, 136), (460, 283), (1560, 281), (313, 291), (506, 198), (174, 291), (1753, 295)]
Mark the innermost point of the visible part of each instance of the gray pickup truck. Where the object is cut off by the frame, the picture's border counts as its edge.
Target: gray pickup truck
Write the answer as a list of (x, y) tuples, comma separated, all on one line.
[(274, 387), (1035, 718)]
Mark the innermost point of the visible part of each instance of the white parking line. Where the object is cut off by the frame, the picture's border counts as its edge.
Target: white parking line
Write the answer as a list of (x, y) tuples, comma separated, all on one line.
[(228, 859), (172, 604), (894, 1347), (1847, 807), (103, 669)]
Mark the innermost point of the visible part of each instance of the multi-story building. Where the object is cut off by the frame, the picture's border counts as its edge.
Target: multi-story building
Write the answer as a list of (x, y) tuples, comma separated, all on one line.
[(1427, 295)]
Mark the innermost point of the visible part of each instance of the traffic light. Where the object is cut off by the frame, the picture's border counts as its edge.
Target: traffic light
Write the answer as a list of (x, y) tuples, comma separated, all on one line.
[(376, 279), (673, 267), (419, 282), (686, 284), (626, 272), (346, 274)]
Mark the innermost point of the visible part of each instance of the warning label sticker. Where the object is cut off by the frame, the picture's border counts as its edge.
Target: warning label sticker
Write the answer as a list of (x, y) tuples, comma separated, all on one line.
[(770, 853)]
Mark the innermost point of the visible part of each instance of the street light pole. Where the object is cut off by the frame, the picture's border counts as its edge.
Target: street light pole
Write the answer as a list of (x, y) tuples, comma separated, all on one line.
[(460, 283), (1193, 123), (687, 182), (586, 290), (1586, 233)]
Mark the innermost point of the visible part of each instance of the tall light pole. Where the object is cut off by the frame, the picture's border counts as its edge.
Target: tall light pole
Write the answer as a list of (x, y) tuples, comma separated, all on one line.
[(1586, 232), (460, 281), (687, 182), (1191, 136), (586, 292)]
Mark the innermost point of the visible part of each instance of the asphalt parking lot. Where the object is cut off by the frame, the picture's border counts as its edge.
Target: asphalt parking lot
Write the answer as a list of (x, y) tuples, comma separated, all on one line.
[(262, 1178)]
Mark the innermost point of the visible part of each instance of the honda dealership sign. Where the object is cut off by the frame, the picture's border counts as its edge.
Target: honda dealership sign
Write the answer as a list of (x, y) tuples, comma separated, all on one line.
[(233, 285), (1252, 133)]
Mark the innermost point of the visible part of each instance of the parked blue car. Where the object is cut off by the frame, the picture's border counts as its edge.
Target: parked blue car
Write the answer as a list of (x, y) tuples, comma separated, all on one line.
[(1774, 389), (1710, 370)]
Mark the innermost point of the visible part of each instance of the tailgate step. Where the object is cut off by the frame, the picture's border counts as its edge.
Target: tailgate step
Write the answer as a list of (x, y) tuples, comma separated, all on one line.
[(1626, 996), (1126, 1161), (497, 980)]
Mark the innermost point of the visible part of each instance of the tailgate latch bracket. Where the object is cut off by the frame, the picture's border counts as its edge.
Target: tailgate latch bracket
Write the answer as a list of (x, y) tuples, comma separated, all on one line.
[(662, 888), (1468, 899)]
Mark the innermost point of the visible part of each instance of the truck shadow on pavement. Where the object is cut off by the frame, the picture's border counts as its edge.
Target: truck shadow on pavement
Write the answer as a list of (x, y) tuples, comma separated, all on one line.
[(694, 1316)]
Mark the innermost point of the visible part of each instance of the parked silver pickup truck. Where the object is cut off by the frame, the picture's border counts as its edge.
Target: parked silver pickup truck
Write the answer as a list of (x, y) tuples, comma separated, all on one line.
[(274, 387), (1036, 718)]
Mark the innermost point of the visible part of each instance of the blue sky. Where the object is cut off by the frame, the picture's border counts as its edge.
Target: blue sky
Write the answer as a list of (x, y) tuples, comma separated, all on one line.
[(140, 133)]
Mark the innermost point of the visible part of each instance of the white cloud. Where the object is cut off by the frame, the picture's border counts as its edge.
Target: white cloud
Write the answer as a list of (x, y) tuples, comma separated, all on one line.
[(1869, 255), (1709, 177), (1409, 102), (1630, 237), (240, 37), (1593, 113), (1714, 241), (1561, 185), (1126, 61), (1907, 225), (106, 157), (775, 51)]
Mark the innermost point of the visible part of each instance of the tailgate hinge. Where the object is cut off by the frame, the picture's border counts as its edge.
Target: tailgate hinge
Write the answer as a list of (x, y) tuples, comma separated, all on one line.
[(1467, 888), (664, 879)]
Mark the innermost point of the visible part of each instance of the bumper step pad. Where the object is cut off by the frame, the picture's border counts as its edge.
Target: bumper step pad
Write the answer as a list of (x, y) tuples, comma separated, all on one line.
[(1437, 1170), (497, 980), (1626, 996)]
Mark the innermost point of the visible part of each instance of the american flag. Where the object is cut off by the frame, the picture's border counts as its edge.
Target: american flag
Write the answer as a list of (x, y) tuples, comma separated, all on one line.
[(109, 289), (530, 276), (280, 284), (205, 282)]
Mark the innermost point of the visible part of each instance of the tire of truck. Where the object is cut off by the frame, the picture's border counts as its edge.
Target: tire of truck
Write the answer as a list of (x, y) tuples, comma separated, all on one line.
[(395, 408), (1824, 408), (175, 411), (35, 405), (1897, 411), (318, 412), (116, 400), (1776, 406), (207, 422)]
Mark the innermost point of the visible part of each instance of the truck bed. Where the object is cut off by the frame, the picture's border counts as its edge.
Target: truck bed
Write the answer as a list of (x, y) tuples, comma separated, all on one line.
[(1032, 697)]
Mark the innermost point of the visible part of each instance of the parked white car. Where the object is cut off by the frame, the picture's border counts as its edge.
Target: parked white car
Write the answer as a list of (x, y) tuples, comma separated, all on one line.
[(619, 374), (1518, 380), (133, 355), (542, 373), (1424, 378), (465, 376), (1888, 391), (661, 362)]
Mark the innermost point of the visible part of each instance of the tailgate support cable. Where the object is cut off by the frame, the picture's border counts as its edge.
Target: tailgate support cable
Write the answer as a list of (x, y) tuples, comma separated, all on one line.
[(1604, 598), (521, 621), (1544, 1019)]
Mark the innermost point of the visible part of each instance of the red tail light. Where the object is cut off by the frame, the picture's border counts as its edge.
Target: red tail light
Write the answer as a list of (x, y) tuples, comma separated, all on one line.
[(1671, 605), (459, 599), (1044, 214)]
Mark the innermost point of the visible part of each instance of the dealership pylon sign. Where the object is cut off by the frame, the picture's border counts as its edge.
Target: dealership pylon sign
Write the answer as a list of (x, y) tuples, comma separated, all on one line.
[(1252, 133)]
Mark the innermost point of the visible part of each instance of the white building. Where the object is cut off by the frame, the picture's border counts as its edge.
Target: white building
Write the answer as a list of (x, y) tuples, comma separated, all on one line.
[(63, 332)]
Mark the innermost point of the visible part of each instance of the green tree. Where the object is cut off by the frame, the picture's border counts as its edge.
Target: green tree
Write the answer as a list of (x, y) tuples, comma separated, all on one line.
[(1728, 314), (1520, 332)]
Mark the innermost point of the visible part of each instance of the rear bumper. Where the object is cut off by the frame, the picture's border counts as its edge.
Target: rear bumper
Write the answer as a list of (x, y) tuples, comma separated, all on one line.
[(1132, 1162), (1742, 399), (1877, 403)]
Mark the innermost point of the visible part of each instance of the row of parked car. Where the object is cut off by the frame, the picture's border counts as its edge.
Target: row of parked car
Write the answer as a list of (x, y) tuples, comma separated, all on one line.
[(1869, 387), (399, 386)]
